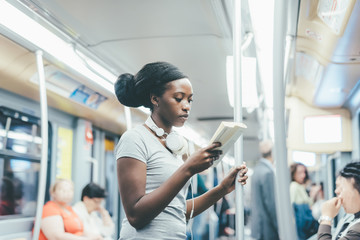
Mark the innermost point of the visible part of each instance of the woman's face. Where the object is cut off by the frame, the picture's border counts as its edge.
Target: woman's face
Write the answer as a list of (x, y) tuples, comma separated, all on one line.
[(348, 194), (300, 174), (92, 204), (175, 103), (64, 192)]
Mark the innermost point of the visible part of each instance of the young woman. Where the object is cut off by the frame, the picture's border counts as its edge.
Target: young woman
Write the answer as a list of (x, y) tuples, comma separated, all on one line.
[(298, 194), (152, 176), (348, 196)]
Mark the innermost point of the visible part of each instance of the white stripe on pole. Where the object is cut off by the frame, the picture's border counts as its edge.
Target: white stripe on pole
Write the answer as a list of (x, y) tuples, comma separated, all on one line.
[(44, 145)]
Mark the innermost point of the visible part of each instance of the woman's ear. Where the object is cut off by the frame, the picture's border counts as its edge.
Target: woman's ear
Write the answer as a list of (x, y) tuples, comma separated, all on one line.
[(154, 100)]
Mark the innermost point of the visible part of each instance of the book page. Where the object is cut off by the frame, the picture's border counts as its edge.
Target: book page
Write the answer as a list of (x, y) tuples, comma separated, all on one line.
[(227, 134)]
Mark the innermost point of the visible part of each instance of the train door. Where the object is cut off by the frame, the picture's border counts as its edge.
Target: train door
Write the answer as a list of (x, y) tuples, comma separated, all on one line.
[(104, 172)]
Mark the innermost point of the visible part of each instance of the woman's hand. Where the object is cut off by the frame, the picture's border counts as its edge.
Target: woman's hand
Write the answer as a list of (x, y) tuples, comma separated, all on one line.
[(203, 158), (331, 207), (228, 183)]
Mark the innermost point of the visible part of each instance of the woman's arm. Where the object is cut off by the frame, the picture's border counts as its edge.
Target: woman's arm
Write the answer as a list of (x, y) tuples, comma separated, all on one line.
[(107, 225), (53, 229), (141, 208), (209, 198)]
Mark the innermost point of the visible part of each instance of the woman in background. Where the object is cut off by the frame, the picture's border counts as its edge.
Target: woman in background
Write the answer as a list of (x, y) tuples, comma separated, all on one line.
[(95, 218), (59, 221), (306, 224)]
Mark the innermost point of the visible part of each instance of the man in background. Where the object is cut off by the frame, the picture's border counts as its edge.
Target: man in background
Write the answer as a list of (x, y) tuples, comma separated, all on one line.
[(263, 209)]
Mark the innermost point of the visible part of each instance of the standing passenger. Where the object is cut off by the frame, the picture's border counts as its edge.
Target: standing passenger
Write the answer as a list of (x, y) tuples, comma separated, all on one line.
[(263, 209), (152, 176)]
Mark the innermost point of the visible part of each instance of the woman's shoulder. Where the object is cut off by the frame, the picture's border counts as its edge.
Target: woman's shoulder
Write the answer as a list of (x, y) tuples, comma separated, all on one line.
[(295, 184), (134, 133), (51, 209), (356, 227)]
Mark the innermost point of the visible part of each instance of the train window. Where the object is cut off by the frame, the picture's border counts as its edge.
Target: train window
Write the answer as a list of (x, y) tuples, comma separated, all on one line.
[(19, 187), (19, 133), (2, 130), (24, 138)]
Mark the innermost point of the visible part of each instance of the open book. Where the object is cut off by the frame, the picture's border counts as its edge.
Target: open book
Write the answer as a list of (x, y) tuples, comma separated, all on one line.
[(227, 133)]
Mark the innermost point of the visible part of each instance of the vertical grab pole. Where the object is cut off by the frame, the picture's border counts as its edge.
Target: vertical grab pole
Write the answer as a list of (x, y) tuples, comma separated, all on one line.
[(238, 147), (128, 117), (44, 144), (282, 178)]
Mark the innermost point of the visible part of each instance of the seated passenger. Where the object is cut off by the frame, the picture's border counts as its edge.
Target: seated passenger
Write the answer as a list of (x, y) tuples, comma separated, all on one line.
[(59, 221), (89, 208), (348, 196), (7, 200)]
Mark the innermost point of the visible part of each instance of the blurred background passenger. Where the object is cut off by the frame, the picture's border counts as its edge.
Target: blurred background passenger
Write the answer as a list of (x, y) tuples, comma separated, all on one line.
[(318, 200), (198, 224), (94, 216), (263, 209), (348, 196), (299, 176), (306, 224), (59, 221), (7, 199)]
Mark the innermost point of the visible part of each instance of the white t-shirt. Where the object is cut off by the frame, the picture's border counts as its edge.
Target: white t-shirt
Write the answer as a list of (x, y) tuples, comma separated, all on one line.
[(93, 222), (141, 144)]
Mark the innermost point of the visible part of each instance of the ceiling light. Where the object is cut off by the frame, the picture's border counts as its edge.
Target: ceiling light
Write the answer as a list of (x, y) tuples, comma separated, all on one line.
[(19, 23)]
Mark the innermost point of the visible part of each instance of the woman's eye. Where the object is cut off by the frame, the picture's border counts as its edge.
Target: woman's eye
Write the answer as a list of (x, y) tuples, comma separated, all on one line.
[(178, 99), (190, 100)]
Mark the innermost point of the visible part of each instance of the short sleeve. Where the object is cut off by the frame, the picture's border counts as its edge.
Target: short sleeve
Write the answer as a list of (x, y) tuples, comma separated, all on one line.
[(50, 209), (131, 145)]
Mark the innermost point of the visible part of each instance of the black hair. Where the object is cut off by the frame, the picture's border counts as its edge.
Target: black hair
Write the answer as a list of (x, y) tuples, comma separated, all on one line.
[(134, 91), (352, 170), (92, 190)]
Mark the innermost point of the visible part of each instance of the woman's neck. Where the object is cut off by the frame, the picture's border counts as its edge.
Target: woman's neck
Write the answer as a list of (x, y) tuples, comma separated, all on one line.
[(61, 204), (159, 123)]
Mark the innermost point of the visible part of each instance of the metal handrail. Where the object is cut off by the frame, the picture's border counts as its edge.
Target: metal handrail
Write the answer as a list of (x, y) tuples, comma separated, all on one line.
[(44, 147), (238, 146)]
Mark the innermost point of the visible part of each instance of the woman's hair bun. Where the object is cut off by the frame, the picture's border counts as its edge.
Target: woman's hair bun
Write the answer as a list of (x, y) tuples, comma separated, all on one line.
[(125, 90)]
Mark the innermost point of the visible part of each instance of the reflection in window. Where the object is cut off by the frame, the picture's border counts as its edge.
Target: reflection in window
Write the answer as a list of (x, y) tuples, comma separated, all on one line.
[(18, 186), (2, 130), (19, 133)]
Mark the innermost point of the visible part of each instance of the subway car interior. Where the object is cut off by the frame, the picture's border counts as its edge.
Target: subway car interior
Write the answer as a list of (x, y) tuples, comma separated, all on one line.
[(299, 64)]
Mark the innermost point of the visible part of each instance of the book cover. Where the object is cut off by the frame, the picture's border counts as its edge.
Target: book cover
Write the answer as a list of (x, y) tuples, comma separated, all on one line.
[(227, 133)]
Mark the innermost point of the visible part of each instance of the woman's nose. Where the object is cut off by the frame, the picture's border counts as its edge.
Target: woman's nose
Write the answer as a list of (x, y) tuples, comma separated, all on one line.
[(186, 106), (337, 192)]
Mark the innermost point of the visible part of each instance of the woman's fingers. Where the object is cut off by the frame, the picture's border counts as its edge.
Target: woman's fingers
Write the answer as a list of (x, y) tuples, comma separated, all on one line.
[(212, 146), (338, 203), (243, 179)]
